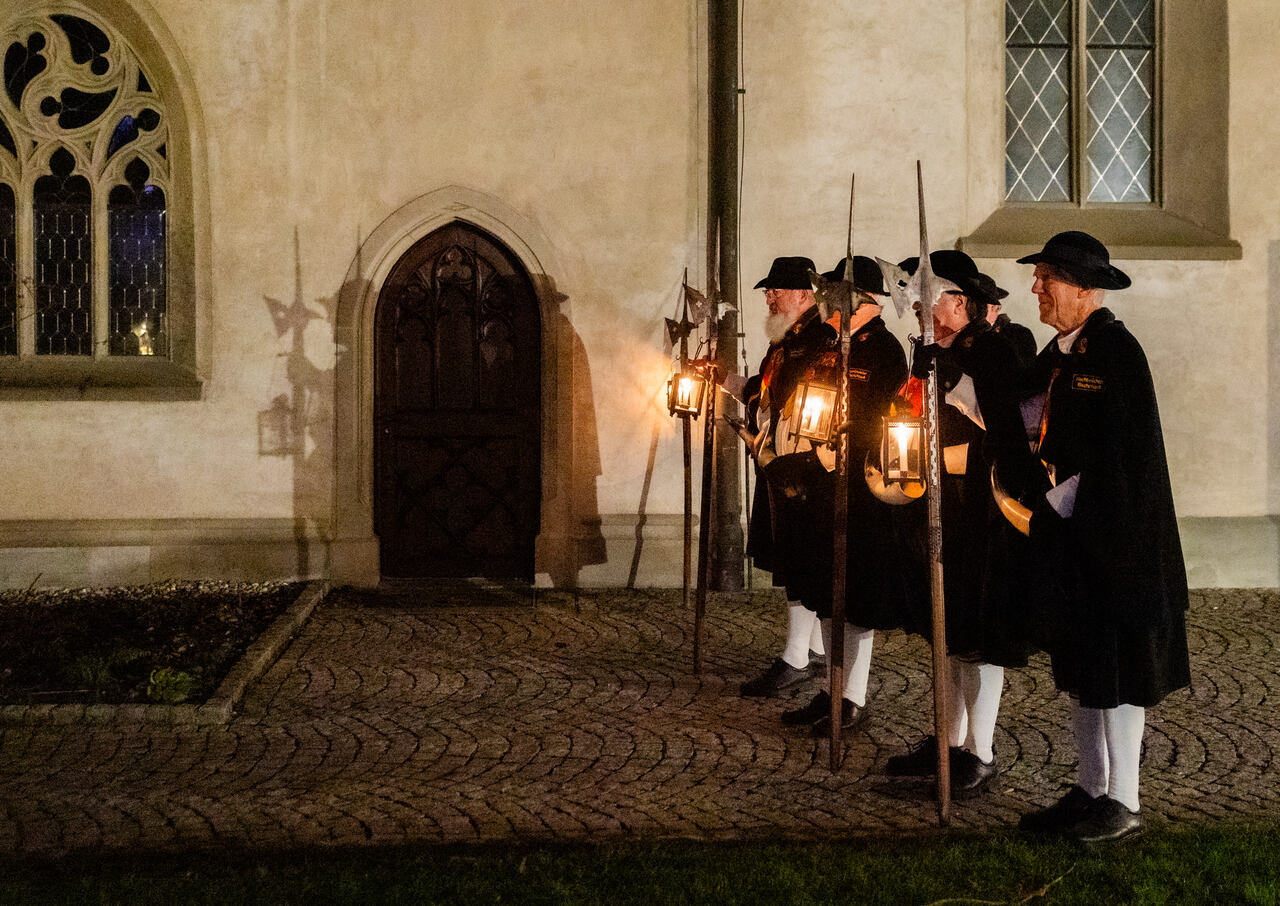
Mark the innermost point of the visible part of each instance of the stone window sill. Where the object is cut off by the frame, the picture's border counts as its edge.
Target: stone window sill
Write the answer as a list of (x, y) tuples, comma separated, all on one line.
[(1130, 232), (83, 378)]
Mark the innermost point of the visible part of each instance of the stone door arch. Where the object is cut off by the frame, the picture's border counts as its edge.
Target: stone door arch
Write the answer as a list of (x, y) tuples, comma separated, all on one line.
[(457, 410)]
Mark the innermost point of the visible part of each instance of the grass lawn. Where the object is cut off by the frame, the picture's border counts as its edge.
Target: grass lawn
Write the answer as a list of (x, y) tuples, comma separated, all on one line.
[(1216, 866)]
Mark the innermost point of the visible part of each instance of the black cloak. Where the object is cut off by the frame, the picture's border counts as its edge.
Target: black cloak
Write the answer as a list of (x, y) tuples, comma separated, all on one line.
[(792, 496), (983, 557), (875, 596), (1119, 611)]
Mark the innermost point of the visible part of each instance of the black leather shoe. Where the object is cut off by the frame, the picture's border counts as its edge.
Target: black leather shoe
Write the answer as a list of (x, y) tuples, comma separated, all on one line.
[(970, 774), (817, 660), (1060, 817), (819, 706), (779, 676), (1106, 822), (921, 760), (851, 717)]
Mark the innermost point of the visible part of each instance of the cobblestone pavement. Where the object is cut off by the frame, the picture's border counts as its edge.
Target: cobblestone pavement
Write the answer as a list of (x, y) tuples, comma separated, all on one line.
[(576, 716)]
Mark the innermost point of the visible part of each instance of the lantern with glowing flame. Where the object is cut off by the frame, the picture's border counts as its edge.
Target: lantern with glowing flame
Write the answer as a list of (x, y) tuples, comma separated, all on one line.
[(902, 449), (815, 410), (685, 390)]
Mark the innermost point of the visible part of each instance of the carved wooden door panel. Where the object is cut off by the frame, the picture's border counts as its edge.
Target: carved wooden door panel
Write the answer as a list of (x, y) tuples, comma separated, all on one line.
[(457, 411)]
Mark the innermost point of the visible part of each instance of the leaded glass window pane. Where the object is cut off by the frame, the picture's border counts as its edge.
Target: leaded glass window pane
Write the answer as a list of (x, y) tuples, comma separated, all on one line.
[(63, 274), (1120, 125), (1037, 125), (1037, 107), (8, 272), (1106, 50), (1121, 22), (1037, 22), (136, 237)]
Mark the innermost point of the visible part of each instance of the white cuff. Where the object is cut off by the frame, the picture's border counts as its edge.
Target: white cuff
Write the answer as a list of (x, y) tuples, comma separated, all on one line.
[(964, 396), (1063, 497)]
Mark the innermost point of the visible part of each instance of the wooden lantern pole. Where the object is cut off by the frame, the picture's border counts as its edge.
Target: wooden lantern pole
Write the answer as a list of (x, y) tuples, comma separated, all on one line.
[(941, 674), (840, 515)]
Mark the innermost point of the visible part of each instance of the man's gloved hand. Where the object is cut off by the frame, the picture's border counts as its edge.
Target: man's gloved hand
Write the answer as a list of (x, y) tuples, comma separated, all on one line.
[(922, 357), (1045, 525), (1051, 512), (709, 369)]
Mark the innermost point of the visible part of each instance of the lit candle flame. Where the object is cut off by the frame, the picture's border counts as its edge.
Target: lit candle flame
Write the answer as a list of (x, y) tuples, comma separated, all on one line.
[(811, 418), (685, 392), (903, 433)]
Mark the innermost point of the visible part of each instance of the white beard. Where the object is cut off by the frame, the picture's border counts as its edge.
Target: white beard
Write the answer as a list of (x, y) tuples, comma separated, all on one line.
[(775, 325)]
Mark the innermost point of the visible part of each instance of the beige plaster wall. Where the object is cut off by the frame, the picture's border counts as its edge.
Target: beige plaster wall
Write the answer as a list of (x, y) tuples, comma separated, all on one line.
[(885, 84), (325, 116)]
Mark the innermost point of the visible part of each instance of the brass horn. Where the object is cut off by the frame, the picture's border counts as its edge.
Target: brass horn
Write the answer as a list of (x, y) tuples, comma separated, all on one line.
[(894, 493), (1018, 514)]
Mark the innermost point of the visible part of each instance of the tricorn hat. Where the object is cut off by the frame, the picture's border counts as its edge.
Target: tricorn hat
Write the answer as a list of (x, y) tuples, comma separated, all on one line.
[(867, 277), (1082, 258), (788, 273)]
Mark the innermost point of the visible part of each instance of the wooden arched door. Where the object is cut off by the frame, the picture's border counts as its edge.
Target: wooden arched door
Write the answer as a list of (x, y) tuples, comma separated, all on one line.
[(457, 410)]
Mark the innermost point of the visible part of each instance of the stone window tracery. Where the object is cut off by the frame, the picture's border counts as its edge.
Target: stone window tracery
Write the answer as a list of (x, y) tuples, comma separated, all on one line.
[(85, 192)]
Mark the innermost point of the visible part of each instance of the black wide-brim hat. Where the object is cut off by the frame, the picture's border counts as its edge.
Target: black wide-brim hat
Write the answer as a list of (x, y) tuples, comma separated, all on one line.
[(1082, 258), (867, 277), (953, 265), (989, 288), (788, 273)]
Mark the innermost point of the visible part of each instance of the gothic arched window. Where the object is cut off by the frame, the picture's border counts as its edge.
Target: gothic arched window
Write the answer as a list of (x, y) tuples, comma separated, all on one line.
[(86, 190)]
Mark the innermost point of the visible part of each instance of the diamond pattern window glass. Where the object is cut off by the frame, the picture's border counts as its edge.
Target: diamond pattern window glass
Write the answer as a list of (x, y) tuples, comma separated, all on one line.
[(1080, 92), (1119, 89), (1037, 100)]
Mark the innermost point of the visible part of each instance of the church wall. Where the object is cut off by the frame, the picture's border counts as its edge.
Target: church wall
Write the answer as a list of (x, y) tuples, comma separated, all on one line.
[(323, 118), (887, 84)]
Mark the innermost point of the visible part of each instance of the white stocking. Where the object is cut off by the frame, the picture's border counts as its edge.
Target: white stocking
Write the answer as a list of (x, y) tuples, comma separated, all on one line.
[(1091, 749), (983, 684), (817, 641), (800, 631), (1123, 727), (858, 643)]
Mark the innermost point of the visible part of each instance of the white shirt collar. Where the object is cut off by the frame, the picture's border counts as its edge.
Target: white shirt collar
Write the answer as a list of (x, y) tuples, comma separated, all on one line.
[(1065, 341)]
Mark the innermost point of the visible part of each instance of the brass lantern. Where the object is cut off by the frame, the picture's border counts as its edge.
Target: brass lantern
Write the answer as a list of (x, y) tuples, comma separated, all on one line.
[(814, 414), (902, 449), (685, 390)]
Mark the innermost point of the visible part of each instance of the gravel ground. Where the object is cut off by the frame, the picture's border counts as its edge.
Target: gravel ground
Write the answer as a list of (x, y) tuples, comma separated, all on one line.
[(169, 642)]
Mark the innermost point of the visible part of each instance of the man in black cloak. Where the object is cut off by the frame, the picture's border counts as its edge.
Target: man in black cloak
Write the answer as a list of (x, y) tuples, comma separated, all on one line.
[(1116, 630), (874, 596), (979, 368), (791, 511)]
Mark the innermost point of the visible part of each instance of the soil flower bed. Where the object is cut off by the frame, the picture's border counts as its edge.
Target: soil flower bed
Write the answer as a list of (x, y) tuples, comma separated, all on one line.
[(165, 643)]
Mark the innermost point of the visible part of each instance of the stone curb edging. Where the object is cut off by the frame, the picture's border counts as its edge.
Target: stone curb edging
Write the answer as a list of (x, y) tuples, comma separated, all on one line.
[(258, 657)]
